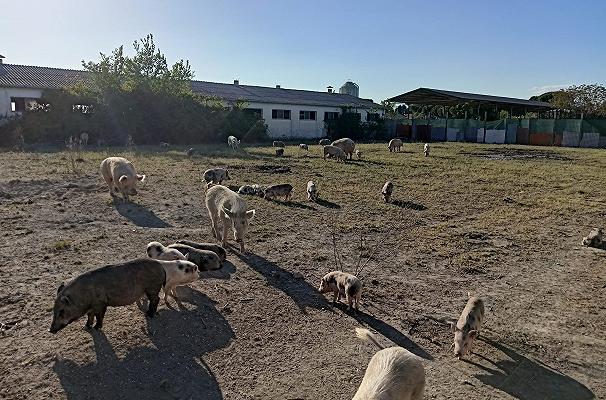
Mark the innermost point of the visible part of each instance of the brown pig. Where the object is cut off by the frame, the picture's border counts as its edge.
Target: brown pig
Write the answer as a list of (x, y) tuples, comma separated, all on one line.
[(215, 248), (342, 284), (206, 260), (467, 328), (112, 285)]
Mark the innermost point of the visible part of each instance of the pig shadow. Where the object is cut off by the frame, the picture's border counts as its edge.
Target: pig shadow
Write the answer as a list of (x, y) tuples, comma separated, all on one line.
[(291, 204), (361, 162), (409, 205), (171, 368), (527, 379), (327, 204), (140, 215), (224, 272), (300, 291)]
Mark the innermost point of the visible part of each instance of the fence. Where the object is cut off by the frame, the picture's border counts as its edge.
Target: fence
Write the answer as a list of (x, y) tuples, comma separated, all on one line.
[(539, 132)]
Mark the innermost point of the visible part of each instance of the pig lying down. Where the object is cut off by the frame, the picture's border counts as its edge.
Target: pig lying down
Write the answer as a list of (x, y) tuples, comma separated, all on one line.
[(158, 251), (393, 373), (467, 328), (595, 239), (342, 284), (215, 248), (112, 285), (206, 260), (120, 176)]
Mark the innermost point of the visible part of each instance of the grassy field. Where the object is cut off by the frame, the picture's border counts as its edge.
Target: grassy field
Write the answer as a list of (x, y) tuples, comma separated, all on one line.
[(502, 222)]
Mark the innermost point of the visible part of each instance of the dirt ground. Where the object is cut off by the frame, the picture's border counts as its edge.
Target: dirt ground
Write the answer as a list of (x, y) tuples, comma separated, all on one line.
[(502, 222)]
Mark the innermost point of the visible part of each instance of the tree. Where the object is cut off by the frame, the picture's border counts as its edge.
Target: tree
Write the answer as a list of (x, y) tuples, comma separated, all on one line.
[(587, 99)]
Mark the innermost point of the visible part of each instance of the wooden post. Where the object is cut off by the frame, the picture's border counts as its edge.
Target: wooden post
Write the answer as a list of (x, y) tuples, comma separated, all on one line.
[(485, 118)]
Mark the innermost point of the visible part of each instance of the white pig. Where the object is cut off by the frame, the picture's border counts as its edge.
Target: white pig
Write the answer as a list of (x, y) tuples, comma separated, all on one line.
[(120, 176), (467, 328)]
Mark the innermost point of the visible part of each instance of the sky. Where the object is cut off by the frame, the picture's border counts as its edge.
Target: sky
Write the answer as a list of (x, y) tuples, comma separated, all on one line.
[(514, 48)]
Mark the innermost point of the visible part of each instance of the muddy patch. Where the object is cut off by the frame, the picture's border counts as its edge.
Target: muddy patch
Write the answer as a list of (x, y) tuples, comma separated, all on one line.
[(272, 169), (516, 154)]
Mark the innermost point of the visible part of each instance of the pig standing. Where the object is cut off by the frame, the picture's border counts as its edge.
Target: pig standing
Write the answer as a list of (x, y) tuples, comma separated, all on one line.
[(467, 328), (393, 373), (324, 142), (278, 143), (225, 205), (206, 260), (84, 139), (347, 145), (426, 149), (215, 248), (394, 144), (358, 154), (233, 142), (312, 192), (387, 191), (113, 285), (278, 190), (215, 176), (280, 152), (158, 251), (342, 284), (333, 151), (120, 176), (303, 146), (178, 273)]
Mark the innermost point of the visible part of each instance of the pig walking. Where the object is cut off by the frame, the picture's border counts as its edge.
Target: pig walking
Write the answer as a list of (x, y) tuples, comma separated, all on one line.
[(120, 176), (113, 285), (342, 284), (467, 328)]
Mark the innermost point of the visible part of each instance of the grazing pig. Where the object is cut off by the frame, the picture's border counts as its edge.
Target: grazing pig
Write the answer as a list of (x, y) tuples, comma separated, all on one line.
[(233, 142), (394, 144), (342, 284), (158, 251), (178, 273), (113, 285), (393, 373), (164, 145), (215, 176), (324, 142), (333, 151), (426, 149), (387, 191), (303, 146), (274, 191), (215, 248), (206, 260), (312, 192), (279, 152), (84, 139), (191, 152), (247, 190), (120, 176), (225, 205), (278, 143), (347, 145), (594, 239), (358, 154), (467, 328)]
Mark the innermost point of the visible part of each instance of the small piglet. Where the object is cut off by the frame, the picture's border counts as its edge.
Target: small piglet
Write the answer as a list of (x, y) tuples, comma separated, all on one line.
[(206, 260), (467, 328), (158, 251), (312, 191), (113, 285), (387, 191), (215, 248), (178, 273), (342, 284), (426, 149)]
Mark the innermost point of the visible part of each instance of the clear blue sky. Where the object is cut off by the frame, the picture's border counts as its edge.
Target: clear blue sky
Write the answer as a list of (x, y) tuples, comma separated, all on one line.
[(512, 48)]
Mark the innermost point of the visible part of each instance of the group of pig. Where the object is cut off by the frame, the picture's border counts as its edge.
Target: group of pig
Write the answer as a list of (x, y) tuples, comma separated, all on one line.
[(392, 373)]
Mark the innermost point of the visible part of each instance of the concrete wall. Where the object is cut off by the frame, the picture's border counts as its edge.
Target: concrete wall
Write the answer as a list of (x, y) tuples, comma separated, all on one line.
[(7, 93)]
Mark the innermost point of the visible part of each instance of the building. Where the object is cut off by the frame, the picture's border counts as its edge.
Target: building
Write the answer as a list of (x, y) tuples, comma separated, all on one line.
[(288, 113)]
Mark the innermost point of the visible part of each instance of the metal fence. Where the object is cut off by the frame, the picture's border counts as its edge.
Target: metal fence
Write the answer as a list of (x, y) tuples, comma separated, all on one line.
[(540, 132)]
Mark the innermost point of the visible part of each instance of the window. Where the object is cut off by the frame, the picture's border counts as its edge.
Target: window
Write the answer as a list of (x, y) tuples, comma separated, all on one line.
[(372, 116), (330, 115), (309, 115), (280, 114), (17, 104)]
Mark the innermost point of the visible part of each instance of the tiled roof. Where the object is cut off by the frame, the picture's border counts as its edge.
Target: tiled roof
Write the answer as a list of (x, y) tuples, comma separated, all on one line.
[(26, 76)]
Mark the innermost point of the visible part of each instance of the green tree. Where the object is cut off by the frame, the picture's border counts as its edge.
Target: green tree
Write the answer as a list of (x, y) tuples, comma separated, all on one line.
[(587, 99)]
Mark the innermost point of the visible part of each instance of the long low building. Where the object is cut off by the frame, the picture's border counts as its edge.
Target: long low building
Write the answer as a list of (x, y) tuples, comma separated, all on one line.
[(288, 113)]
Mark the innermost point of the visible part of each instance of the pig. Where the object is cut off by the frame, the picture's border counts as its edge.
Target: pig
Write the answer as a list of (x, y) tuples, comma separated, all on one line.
[(158, 251), (84, 139), (215, 176), (394, 144), (393, 373), (112, 285), (190, 152), (312, 192), (233, 142), (247, 190), (206, 260), (164, 145), (278, 190), (342, 284), (226, 205), (347, 145), (387, 191), (258, 190), (467, 328), (594, 239), (120, 176), (279, 152), (426, 149), (215, 248), (358, 154), (278, 143), (178, 273), (303, 146), (324, 142), (333, 151)]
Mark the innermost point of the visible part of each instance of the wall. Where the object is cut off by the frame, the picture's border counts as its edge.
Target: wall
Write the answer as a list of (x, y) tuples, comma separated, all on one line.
[(7, 93)]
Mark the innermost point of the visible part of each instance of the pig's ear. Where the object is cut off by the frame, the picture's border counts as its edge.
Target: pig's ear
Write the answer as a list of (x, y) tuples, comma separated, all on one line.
[(66, 300), (60, 288), (122, 178), (141, 178), (473, 333), (250, 215)]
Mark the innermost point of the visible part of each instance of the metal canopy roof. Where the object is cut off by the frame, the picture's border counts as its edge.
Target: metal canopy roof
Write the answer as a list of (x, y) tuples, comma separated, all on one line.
[(447, 97)]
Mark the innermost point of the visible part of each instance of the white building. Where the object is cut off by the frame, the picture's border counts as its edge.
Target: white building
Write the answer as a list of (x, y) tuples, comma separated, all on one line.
[(288, 113)]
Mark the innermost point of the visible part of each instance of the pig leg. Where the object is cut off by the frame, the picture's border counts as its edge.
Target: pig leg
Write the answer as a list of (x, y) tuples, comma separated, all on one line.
[(335, 296), (154, 299), (226, 222), (90, 318), (215, 226), (100, 314)]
